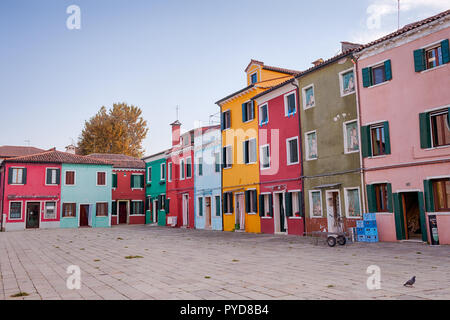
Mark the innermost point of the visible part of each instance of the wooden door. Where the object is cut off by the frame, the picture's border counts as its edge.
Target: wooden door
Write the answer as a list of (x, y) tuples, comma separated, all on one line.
[(207, 212), (240, 214), (122, 212), (84, 215), (185, 210), (33, 215)]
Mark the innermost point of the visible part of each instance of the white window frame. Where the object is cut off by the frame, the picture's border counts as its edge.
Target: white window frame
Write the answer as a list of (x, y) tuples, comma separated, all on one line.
[(203, 207), (169, 171), (106, 179), (55, 210), (136, 174), (295, 103), (341, 82), (21, 211), (307, 146), (21, 168), (431, 46), (230, 208), (225, 111), (198, 164), (261, 148), (163, 171), (190, 176), (228, 151), (260, 113), (251, 199), (247, 109), (311, 211), (182, 169), (250, 77), (131, 207), (74, 178), (149, 174), (304, 96), (435, 113), (107, 208), (46, 171), (344, 126), (376, 65), (249, 149), (288, 152), (346, 190), (266, 197)]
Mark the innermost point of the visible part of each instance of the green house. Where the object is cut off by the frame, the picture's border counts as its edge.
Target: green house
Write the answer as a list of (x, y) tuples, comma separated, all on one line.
[(155, 190)]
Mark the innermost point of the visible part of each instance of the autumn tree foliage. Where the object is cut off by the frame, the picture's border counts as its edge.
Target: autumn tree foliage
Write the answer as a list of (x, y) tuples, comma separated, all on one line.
[(119, 130)]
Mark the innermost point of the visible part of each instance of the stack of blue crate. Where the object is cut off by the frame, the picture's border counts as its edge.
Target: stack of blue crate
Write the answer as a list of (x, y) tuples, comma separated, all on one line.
[(366, 229)]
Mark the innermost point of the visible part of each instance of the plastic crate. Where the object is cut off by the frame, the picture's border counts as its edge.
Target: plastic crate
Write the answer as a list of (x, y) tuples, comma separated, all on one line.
[(371, 231), (370, 217), (360, 224), (361, 231), (372, 238), (370, 224), (362, 238)]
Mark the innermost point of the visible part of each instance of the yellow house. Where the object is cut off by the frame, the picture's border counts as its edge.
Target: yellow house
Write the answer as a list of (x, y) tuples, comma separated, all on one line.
[(240, 151)]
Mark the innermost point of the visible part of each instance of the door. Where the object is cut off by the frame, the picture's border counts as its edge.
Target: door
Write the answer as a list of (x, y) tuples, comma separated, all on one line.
[(185, 210), (279, 213), (33, 215), (411, 215), (240, 214), (155, 211), (123, 212), (207, 212), (84, 215), (334, 211)]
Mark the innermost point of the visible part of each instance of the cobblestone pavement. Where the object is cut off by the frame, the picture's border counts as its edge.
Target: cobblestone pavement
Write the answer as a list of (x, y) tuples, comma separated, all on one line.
[(195, 264)]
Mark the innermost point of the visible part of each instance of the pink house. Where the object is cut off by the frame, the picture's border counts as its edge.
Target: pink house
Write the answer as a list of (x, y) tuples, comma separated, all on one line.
[(404, 99)]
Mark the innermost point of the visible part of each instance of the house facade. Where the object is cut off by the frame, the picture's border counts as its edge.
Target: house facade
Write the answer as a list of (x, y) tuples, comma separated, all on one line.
[(404, 96), (240, 156), (208, 177), (333, 193), (155, 190), (281, 197), (128, 188)]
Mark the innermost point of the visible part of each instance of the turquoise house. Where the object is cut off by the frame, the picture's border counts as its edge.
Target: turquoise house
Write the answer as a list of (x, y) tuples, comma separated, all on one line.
[(86, 193), (156, 173)]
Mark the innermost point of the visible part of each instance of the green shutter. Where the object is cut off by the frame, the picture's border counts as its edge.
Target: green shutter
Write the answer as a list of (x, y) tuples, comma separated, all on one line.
[(217, 206), (255, 200), (448, 117), (445, 51), (429, 196), (300, 202), (419, 60), (244, 112), (398, 215), (49, 176), (167, 206), (131, 181), (10, 175), (423, 221), (113, 208), (387, 146), (114, 180), (389, 197), (288, 204), (366, 142), (271, 205), (388, 70), (24, 176), (200, 207), (222, 121), (425, 130), (224, 203), (371, 198), (261, 205), (160, 202), (247, 201), (142, 181), (367, 77), (58, 176)]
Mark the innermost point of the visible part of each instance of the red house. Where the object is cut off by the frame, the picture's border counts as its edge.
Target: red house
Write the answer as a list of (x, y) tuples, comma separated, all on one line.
[(128, 188), (179, 204), (281, 199)]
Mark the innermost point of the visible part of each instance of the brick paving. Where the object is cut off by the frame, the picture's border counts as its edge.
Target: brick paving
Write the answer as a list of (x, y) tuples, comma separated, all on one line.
[(196, 265)]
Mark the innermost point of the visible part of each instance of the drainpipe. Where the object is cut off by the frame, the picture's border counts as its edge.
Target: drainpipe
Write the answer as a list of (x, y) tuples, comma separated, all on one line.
[(3, 195), (300, 143)]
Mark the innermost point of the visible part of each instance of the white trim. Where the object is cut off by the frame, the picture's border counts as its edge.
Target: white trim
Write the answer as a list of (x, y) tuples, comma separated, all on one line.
[(260, 114), (261, 157), (311, 211), (250, 77), (74, 178), (106, 179), (52, 184), (21, 211), (438, 213), (256, 151), (192, 169), (221, 114), (341, 82), (149, 176), (285, 96), (169, 176), (107, 208), (137, 174), (437, 108), (288, 152), (246, 110), (161, 171), (304, 96), (345, 136), (12, 183), (182, 169), (229, 165), (143, 207), (198, 207), (347, 205), (438, 112), (438, 177), (307, 146), (45, 209), (69, 217)]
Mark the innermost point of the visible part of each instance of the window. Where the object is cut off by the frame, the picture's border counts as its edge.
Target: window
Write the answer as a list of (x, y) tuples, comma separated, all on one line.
[(263, 114), (375, 140), (101, 178), (227, 157), (296, 210), (50, 210), (149, 174), (347, 82), (351, 138), (137, 207), (137, 181), (265, 157), (101, 210), (249, 151), (200, 166), (292, 151), (226, 120), (432, 56), (188, 167), (114, 180), (15, 210), (217, 206), (228, 203), (315, 203), (182, 169), (114, 208), (309, 100), (377, 74), (352, 202), (289, 104), (170, 171), (17, 176), (52, 176), (217, 161), (254, 78), (267, 203), (248, 111), (440, 128), (251, 201), (70, 178), (200, 207), (311, 145), (378, 140), (381, 197), (69, 210), (163, 171), (441, 190), (162, 202)]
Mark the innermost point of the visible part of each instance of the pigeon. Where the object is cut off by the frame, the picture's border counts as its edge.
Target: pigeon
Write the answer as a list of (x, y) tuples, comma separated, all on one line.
[(410, 282)]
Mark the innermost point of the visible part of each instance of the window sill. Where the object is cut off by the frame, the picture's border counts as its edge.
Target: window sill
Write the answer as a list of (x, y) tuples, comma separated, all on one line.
[(438, 213), (351, 152), (314, 217), (347, 94), (378, 157), (431, 69), (295, 218), (267, 218), (293, 164), (248, 121), (380, 84), (383, 213), (311, 107), (315, 159), (437, 148), (354, 218), (251, 213)]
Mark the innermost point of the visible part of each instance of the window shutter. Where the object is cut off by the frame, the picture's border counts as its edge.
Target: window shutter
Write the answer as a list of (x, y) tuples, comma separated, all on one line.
[(398, 215), (224, 203), (388, 70), (167, 206), (445, 51), (429, 197), (300, 202), (244, 112), (114, 180), (419, 60), (49, 176), (222, 121), (255, 201), (448, 117), (142, 180), (387, 138), (217, 206), (253, 108), (389, 197), (113, 208), (160, 202), (367, 77), (366, 142), (288, 204), (423, 221), (371, 198), (261, 205), (224, 157), (246, 151), (24, 176), (247, 201), (425, 130), (131, 181), (58, 176), (10, 175), (291, 102), (271, 205)]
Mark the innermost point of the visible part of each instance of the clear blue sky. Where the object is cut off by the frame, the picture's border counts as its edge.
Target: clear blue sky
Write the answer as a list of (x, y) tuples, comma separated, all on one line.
[(157, 54)]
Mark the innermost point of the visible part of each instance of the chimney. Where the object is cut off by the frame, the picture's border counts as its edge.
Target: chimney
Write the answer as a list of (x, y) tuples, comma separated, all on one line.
[(71, 149), (317, 62), (176, 127), (349, 45)]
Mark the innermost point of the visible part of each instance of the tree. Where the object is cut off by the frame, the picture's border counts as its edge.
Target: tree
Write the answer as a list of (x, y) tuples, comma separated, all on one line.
[(119, 130)]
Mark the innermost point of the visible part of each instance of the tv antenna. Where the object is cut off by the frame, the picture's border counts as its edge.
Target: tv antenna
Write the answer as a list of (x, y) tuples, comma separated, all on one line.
[(398, 14)]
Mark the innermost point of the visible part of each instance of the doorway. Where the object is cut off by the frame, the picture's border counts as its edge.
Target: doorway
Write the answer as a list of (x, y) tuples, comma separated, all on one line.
[(411, 215), (334, 217), (185, 210), (240, 214), (207, 212), (84, 215), (279, 214), (123, 212), (33, 215), (155, 211)]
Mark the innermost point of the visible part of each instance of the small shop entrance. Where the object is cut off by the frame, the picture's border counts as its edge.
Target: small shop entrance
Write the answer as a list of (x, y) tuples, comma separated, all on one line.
[(33, 216), (411, 215)]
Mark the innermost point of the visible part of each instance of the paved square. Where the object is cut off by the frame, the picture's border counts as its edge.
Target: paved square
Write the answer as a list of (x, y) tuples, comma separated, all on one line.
[(195, 264)]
